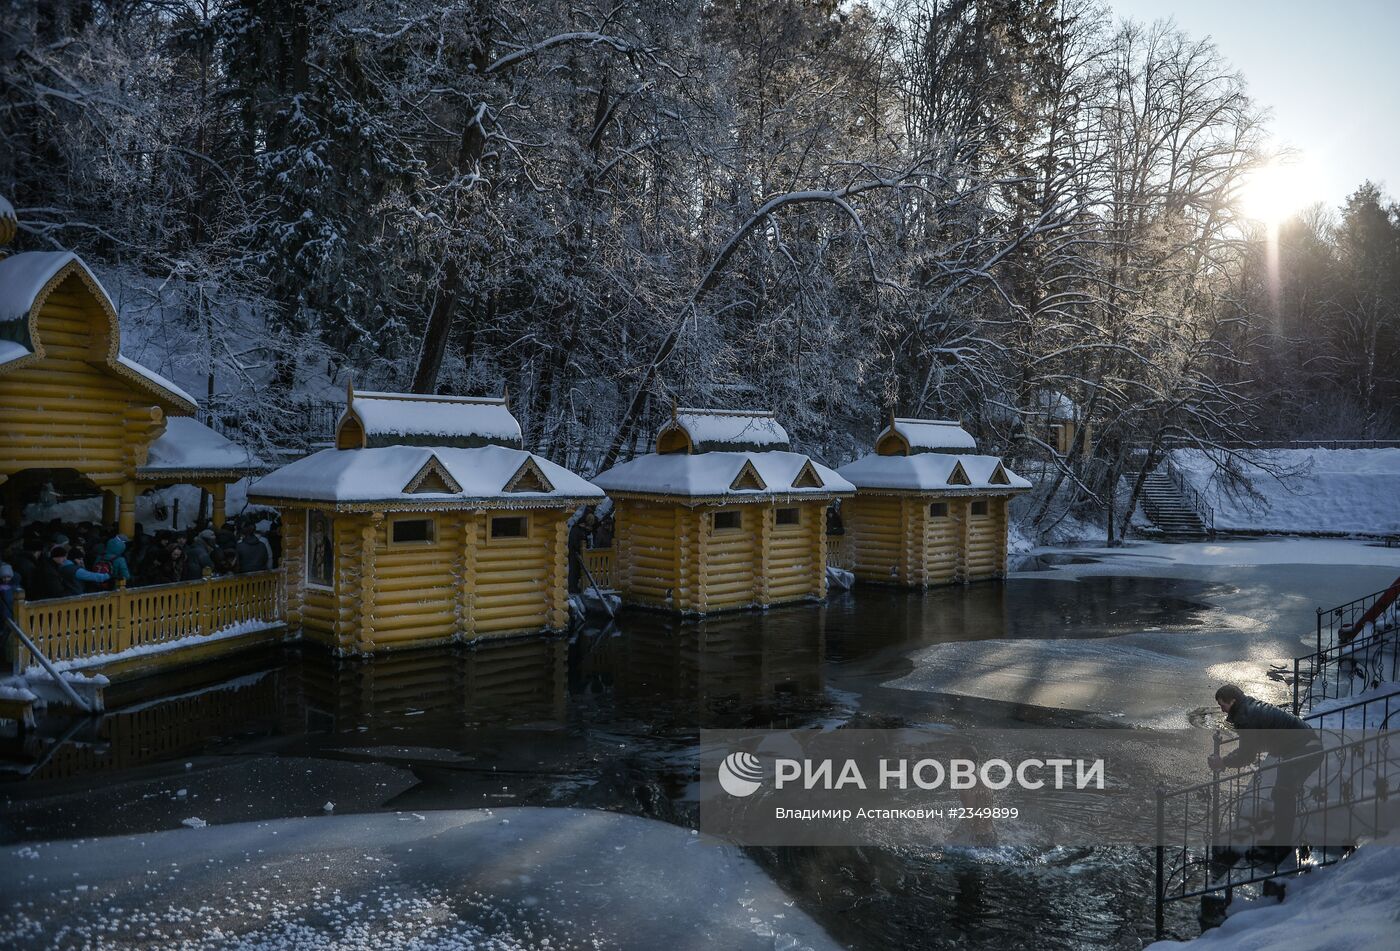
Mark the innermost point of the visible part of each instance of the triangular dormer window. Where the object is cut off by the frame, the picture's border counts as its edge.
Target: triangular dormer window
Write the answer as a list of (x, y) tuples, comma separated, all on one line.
[(959, 475), (748, 478), (807, 477), (432, 479), (999, 476), (529, 478)]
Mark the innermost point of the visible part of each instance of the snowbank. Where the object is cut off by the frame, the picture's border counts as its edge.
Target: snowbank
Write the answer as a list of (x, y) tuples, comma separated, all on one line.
[(1331, 491), (1347, 906)]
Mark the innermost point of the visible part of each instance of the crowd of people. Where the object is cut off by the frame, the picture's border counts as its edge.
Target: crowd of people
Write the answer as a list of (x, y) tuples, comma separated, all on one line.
[(58, 559)]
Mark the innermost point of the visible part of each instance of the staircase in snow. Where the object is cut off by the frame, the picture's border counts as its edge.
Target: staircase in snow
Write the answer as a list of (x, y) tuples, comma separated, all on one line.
[(1167, 507)]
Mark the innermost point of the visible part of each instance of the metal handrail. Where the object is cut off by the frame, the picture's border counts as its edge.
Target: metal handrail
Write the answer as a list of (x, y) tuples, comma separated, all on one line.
[(1369, 654), (64, 685), (1173, 882), (1346, 616), (1203, 509)]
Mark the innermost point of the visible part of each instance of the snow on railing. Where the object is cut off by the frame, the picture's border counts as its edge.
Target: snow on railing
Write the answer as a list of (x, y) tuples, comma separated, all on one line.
[(72, 631), (1344, 670)]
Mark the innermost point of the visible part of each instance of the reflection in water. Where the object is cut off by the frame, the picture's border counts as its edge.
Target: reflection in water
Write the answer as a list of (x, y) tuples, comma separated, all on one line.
[(610, 720)]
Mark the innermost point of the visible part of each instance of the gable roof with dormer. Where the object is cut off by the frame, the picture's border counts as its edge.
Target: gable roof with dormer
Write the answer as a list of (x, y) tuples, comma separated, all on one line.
[(724, 455), (721, 430), (372, 420), (907, 437), (424, 477)]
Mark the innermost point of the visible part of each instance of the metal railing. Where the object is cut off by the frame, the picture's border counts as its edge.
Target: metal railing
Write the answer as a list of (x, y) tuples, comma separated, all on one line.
[(1345, 799), (1345, 621), (1203, 509), (1343, 670)]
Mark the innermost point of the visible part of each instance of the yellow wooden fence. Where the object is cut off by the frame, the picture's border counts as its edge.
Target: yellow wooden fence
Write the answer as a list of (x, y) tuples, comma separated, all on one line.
[(839, 552), (600, 565), (110, 622)]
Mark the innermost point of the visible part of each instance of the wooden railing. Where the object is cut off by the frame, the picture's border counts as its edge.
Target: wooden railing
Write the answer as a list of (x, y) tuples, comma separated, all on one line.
[(600, 564), (839, 552), (110, 622)]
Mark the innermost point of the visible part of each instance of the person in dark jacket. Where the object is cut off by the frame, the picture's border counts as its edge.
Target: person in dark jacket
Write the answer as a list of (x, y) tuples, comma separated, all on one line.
[(197, 552), (252, 553), (578, 535), (46, 580), (1266, 729)]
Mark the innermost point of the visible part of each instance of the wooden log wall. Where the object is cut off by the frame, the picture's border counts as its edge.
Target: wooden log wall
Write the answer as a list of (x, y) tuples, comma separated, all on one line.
[(730, 559), (647, 556), (896, 539), (986, 542), (414, 585), (876, 535), (515, 580), (65, 412), (942, 553)]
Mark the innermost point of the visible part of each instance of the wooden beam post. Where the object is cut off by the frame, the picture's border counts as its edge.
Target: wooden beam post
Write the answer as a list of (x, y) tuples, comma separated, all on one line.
[(127, 518), (109, 508), (369, 538), (216, 492)]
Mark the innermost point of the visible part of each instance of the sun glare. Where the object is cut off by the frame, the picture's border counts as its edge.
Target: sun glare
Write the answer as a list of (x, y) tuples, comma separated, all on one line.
[(1274, 192)]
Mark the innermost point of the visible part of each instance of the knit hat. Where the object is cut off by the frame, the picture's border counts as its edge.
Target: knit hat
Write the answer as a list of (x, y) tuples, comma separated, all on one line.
[(6, 572), (207, 535)]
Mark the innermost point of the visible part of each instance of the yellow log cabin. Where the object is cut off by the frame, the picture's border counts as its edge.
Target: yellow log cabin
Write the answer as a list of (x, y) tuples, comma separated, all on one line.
[(427, 523), (723, 515), (81, 419), (928, 509)]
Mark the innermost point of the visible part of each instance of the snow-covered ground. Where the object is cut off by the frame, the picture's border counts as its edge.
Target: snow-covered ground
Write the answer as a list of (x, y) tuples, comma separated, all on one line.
[(1337, 491), (501, 879), (1262, 615), (154, 510), (1352, 906)]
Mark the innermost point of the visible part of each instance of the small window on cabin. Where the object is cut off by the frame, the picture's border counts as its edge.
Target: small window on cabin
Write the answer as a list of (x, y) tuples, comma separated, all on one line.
[(938, 509), (510, 526), (979, 507), (408, 531), (791, 516), (730, 521)]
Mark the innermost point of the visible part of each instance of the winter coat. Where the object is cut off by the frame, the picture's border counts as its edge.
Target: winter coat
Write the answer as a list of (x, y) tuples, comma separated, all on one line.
[(252, 555), (1265, 728), (115, 557), (80, 580), (45, 581), (198, 556)]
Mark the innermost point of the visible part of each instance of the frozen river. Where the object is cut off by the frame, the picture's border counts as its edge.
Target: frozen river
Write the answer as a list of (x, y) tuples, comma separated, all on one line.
[(1131, 636)]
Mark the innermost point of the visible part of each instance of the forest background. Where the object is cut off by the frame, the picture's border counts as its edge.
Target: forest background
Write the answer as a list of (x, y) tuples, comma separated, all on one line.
[(960, 209)]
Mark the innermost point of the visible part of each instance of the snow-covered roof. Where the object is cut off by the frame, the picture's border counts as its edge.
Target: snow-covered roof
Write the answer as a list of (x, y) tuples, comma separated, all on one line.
[(189, 445), (11, 351), (926, 435), (711, 474), (1055, 405), (443, 474), (410, 419), (933, 472), (148, 374), (24, 276), (716, 430)]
